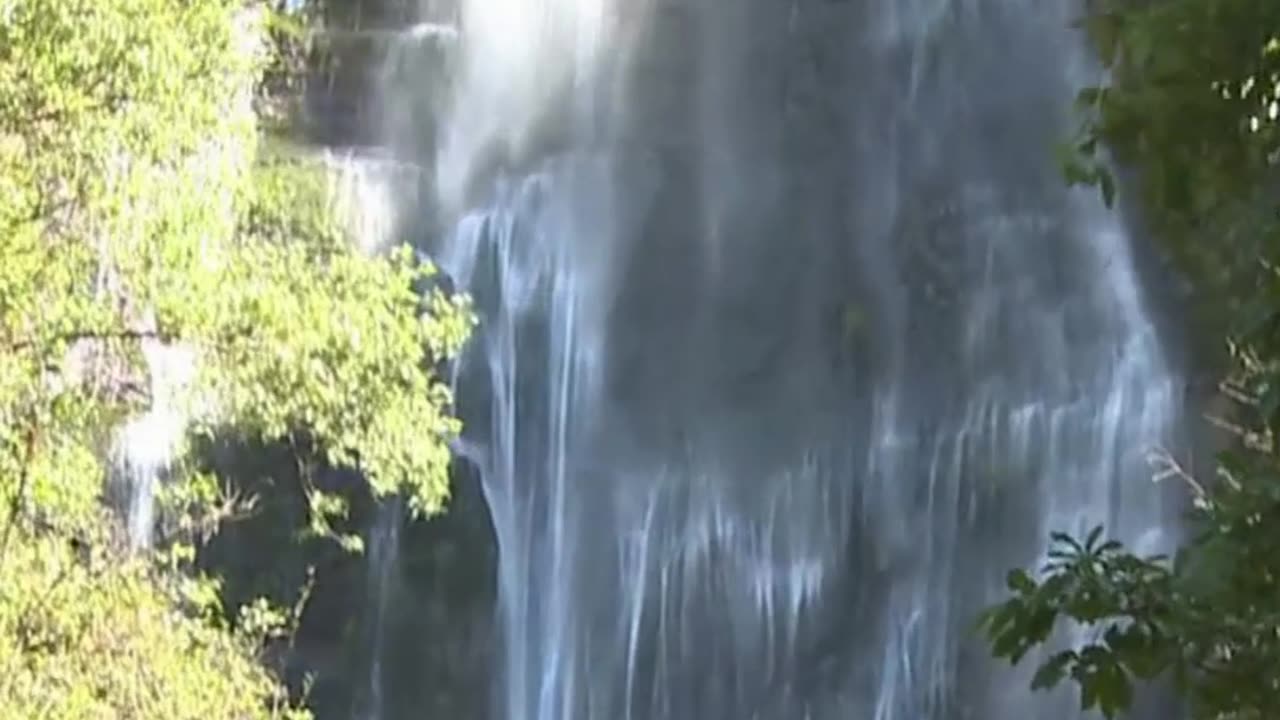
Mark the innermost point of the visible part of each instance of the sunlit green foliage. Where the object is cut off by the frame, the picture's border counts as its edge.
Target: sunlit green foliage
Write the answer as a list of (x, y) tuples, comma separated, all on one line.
[(152, 257), (311, 335), (138, 219), (1193, 110), (87, 635)]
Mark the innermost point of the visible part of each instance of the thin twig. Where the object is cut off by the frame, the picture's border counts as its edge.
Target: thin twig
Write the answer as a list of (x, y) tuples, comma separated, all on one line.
[(15, 506), (1165, 467)]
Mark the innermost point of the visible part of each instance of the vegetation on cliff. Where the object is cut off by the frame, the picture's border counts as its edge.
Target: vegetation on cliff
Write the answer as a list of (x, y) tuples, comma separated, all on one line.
[(1191, 111), (156, 265)]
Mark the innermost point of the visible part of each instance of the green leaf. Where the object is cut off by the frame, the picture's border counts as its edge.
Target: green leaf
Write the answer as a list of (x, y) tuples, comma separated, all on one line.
[(1052, 672), (1091, 541), (1019, 581)]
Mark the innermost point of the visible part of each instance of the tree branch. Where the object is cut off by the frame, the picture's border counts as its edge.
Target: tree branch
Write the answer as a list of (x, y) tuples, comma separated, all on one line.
[(71, 337)]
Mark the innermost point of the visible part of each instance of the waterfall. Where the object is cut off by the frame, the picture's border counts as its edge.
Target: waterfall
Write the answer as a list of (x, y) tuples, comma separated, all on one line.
[(792, 342)]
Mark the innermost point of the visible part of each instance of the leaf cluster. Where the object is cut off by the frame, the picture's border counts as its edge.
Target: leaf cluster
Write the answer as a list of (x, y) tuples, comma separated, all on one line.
[(1206, 620)]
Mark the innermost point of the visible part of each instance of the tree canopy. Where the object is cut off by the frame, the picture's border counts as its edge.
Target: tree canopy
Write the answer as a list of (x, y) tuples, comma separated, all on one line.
[(155, 257), (1190, 114)]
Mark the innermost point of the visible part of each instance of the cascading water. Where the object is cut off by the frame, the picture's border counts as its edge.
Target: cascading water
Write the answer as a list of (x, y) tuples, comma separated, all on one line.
[(792, 341), (147, 445), (366, 193)]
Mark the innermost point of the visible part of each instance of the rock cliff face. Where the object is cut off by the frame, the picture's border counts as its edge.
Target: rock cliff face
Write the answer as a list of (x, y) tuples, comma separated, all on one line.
[(792, 342)]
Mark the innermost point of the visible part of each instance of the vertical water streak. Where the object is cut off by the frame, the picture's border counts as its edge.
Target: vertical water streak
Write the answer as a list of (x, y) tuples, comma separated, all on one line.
[(384, 557), (510, 254), (147, 445)]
